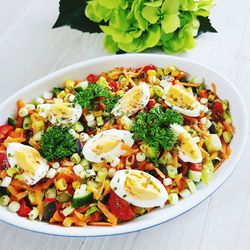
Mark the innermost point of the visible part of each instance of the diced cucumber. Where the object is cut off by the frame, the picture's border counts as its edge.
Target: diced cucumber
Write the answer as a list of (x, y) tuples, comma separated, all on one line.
[(191, 186), (81, 197), (50, 193), (166, 158), (26, 123), (67, 211), (194, 175), (32, 197), (99, 121), (91, 211), (78, 127), (172, 171), (207, 172), (227, 136)]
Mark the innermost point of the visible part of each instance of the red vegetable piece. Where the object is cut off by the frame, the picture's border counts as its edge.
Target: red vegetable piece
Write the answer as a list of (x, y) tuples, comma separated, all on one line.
[(151, 103), (114, 86), (49, 200), (24, 210), (3, 161), (120, 208), (148, 67), (196, 167), (5, 131), (217, 110), (92, 78)]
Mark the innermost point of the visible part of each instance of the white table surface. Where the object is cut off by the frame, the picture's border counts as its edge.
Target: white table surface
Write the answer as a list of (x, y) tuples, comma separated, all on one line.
[(30, 49)]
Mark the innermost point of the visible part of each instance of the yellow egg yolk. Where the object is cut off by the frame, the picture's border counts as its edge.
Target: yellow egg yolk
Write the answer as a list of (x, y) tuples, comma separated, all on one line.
[(62, 110), (188, 146), (140, 186), (132, 99), (180, 97), (28, 160), (105, 144)]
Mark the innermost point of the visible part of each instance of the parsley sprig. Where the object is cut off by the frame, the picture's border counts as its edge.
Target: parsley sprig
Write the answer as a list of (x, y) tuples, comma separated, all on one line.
[(88, 98), (154, 127)]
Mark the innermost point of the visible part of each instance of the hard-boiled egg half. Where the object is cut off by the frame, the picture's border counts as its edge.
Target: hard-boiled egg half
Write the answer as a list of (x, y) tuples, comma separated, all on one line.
[(139, 188), (60, 113), (179, 99), (107, 145), (29, 162), (134, 100), (188, 150)]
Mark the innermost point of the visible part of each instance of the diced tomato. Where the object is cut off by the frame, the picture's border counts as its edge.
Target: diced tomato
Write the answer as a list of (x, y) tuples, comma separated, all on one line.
[(114, 86), (92, 78), (24, 210), (196, 167), (120, 208), (3, 161), (5, 131), (95, 217), (204, 94), (151, 103), (101, 106), (49, 200), (148, 67), (217, 110)]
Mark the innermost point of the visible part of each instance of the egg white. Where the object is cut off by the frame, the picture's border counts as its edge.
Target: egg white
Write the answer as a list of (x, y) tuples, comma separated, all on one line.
[(179, 130), (195, 110), (129, 104), (122, 135), (53, 117), (117, 185), (40, 171)]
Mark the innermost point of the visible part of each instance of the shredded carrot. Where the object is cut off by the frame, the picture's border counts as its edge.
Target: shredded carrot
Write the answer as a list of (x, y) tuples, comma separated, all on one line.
[(190, 84), (56, 217), (100, 224), (128, 149), (21, 195), (39, 200), (19, 122), (47, 184), (218, 165), (20, 104), (229, 127), (12, 190), (158, 171), (110, 217), (10, 140), (20, 185), (214, 88)]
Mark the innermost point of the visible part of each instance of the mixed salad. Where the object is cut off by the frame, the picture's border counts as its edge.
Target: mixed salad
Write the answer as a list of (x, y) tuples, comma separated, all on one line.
[(112, 147)]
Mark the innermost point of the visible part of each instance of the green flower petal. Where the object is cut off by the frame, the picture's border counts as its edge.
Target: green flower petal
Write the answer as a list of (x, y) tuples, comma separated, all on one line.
[(96, 13), (151, 14), (170, 6), (110, 4), (110, 44), (154, 4), (170, 23)]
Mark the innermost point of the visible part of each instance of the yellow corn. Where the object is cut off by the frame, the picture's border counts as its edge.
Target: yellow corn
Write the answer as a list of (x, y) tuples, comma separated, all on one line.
[(120, 92), (76, 184), (61, 95), (151, 72), (69, 84), (61, 184)]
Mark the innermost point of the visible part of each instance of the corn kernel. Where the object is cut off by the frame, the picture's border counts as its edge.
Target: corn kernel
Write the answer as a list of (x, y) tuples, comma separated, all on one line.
[(61, 95), (151, 91), (76, 184), (69, 84), (61, 184), (175, 72), (151, 72), (120, 92)]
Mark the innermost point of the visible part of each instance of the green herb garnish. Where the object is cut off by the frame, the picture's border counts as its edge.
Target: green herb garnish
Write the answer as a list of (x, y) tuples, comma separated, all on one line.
[(154, 127), (88, 98), (57, 143)]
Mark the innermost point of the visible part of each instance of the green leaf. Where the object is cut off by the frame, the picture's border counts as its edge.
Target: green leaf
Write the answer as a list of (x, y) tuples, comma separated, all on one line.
[(170, 23), (170, 6), (72, 14), (154, 4), (110, 44), (205, 25), (151, 14)]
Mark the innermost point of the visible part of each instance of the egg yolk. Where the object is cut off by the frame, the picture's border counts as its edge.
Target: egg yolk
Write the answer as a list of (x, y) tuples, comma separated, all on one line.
[(105, 144), (178, 96), (132, 99), (28, 160), (62, 110), (188, 146), (140, 186)]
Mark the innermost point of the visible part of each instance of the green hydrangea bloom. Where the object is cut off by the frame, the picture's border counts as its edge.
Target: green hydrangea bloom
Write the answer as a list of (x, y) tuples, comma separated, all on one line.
[(133, 26)]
